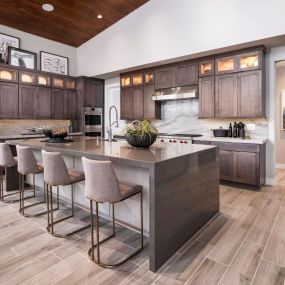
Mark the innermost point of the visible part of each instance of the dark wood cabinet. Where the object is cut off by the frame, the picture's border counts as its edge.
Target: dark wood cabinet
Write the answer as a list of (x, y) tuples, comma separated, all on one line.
[(43, 103), (69, 104), (27, 102), (152, 109), (58, 96), (9, 100), (165, 78), (207, 97), (227, 171), (250, 94), (187, 74), (138, 102), (127, 103), (226, 95)]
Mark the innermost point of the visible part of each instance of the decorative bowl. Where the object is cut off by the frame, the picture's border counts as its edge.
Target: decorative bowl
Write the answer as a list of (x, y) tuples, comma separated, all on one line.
[(56, 133), (141, 141)]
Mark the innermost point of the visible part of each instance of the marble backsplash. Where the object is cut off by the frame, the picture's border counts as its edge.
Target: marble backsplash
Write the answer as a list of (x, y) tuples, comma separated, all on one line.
[(181, 116), (16, 127)]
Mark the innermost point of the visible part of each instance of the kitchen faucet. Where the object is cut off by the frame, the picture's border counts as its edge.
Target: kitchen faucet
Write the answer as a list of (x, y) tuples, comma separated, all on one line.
[(115, 122)]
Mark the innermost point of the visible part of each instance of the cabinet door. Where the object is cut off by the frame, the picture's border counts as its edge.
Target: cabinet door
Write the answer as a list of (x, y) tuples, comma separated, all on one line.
[(138, 103), (99, 94), (207, 97), (126, 103), (226, 65), (9, 101), (165, 78), (27, 102), (69, 104), (57, 100), (227, 165), (44, 103), (247, 167), (226, 95), (187, 74), (250, 94), (152, 109)]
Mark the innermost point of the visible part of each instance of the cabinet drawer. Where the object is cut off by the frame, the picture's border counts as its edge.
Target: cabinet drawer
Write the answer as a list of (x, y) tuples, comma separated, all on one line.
[(246, 147)]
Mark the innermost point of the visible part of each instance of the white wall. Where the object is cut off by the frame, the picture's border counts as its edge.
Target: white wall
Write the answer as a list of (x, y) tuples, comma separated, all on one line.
[(165, 29), (36, 44)]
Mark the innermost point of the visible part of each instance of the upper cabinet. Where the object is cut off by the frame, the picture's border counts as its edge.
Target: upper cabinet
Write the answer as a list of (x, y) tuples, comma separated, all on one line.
[(226, 65), (149, 77), (126, 81), (250, 60), (165, 78), (9, 100), (187, 74), (206, 68), (8, 74), (137, 79)]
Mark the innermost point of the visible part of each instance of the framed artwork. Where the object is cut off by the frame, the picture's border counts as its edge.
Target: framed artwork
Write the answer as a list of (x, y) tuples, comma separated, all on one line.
[(54, 63), (22, 58), (5, 42)]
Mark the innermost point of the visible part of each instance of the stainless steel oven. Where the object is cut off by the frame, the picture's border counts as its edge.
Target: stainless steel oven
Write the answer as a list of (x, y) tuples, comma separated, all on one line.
[(93, 121)]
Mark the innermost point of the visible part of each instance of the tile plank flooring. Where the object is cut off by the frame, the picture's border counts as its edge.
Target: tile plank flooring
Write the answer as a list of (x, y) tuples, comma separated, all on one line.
[(243, 244)]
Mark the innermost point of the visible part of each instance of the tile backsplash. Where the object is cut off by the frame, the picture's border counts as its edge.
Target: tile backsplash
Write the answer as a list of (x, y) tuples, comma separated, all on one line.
[(16, 127)]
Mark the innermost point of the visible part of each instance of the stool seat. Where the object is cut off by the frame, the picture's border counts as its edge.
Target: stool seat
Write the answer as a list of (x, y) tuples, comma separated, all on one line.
[(75, 175), (129, 189)]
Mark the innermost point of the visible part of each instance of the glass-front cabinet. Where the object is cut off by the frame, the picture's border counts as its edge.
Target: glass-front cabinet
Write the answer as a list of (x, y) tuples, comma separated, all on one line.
[(250, 60), (149, 77), (43, 80), (226, 65), (27, 77), (126, 81), (206, 68), (137, 79), (70, 83), (58, 82)]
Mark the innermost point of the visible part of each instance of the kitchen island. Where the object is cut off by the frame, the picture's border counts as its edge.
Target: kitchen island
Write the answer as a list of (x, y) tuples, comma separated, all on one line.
[(180, 186)]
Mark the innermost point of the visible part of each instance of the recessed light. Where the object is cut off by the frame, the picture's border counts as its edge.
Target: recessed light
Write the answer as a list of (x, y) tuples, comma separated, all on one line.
[(48, 7), (99, 16)]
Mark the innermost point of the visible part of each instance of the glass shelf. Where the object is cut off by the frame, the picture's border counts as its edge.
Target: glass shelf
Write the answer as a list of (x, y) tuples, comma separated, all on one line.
[(126, 81), (137, 79)]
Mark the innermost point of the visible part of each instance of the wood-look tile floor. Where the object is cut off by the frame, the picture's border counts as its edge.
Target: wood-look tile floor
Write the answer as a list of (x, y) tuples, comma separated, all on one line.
[(243, 244)]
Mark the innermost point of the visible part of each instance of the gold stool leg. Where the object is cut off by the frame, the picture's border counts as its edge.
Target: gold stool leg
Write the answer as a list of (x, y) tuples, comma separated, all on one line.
[(141, 220), (34, 185), (48, 210), (72, 199), (57, 191), (92, 228), (97, 232), (1, 177)]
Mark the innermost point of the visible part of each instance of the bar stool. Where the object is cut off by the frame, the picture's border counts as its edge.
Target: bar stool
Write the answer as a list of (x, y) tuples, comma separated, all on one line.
[(57, 174), (6, 160), (27, 164), (102, 185)]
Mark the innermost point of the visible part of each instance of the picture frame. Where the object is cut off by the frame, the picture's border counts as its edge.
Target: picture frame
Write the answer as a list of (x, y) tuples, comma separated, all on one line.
[(54, 63), (5, 42), (22, 58)]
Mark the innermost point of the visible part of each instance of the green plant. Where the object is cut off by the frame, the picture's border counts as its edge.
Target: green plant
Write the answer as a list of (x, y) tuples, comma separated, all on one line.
[(140, 128)]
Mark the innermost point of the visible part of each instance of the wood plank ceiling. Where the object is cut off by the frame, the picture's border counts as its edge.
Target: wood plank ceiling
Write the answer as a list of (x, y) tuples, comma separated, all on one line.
[(72, 22)]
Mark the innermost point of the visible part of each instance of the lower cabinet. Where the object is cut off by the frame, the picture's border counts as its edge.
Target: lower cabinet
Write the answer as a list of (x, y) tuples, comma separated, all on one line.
[(9, 100), (227, 165), (34, 102)]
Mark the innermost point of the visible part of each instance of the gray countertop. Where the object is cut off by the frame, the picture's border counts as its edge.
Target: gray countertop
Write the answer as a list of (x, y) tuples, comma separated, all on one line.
[(97, 149), (28, 136), (232, 140)]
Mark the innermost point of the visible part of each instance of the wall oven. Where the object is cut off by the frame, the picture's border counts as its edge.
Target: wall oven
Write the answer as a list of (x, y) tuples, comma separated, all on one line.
[(93, 121)]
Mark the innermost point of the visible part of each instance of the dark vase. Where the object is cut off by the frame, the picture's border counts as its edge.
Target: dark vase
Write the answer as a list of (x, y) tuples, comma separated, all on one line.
[(141, 141)]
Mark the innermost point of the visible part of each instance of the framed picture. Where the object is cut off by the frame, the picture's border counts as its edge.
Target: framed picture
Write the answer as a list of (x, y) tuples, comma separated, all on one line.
[(22, 58), (5, 42), (54, 63)]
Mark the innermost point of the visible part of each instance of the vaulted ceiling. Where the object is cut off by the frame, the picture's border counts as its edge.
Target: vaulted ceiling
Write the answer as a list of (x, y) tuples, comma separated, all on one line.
[(72, 22)]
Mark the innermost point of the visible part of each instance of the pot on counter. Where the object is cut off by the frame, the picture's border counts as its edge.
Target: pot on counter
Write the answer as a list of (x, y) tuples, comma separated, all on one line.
[(221, 132)]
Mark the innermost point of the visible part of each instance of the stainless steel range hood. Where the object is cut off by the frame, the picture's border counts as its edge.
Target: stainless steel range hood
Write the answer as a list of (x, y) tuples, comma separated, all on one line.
[(179, 93)]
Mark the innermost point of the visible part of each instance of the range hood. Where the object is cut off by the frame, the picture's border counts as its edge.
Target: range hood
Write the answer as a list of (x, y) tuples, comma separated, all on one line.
[(179, 93)]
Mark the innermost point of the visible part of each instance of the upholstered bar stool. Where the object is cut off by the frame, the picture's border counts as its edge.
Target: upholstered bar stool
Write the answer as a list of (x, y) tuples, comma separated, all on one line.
[(57, 174), (6, 160), (27, 164), (102, 185)]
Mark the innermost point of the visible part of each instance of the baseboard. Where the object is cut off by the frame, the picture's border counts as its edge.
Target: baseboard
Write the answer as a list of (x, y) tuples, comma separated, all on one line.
[(270, 181), (280, 165)]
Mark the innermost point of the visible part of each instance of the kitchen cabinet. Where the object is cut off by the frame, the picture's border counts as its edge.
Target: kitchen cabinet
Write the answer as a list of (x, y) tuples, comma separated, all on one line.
[(187, 74), (207, 97), (58, 96), (27, 101), (149, 77), (43, 104), (127, 103), (226, 64), (126, 81), (206, 68), (26, 77), (69, 104), (8, 74), (9, 100), (165, 78), (226, 95), (152, 109), (138, 103), (227, 168), (250, 60), (251, 99), (137, 79)]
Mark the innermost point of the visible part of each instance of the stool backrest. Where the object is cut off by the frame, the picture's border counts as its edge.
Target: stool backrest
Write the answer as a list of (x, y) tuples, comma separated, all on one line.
[(6, 156), (55, 170), (27, 163), (101, 183)]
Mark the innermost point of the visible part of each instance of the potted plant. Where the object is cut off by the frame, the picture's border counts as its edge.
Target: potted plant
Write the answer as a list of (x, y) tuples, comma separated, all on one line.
[(141, 133)]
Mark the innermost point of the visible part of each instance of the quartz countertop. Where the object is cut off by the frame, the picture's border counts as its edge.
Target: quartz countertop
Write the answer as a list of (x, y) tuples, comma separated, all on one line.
[(121, 150), (232, 140), (28, 136)]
